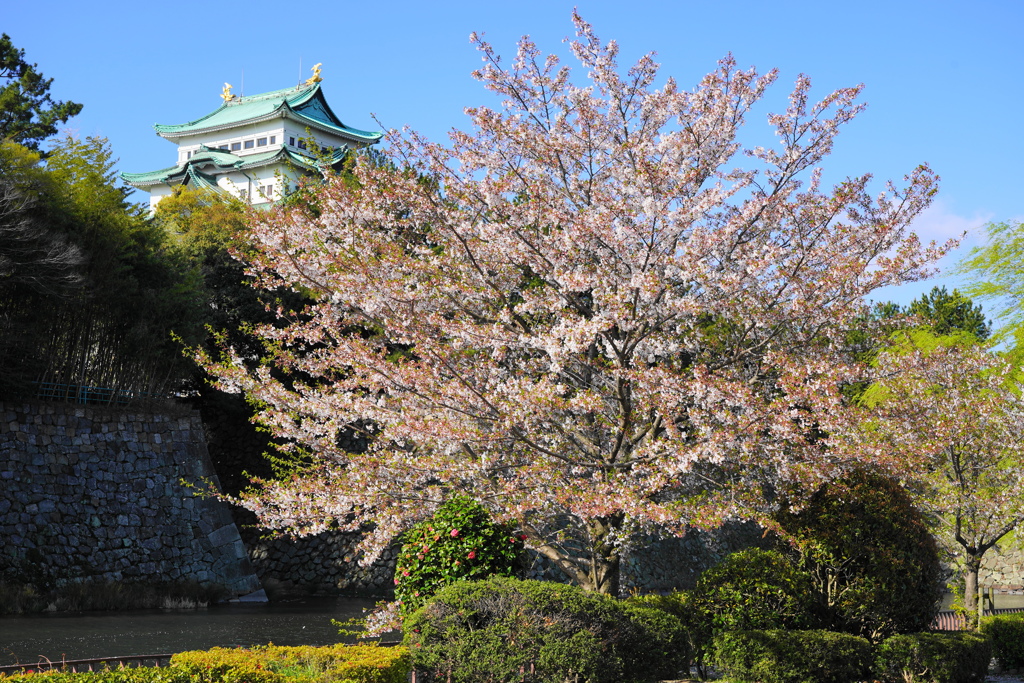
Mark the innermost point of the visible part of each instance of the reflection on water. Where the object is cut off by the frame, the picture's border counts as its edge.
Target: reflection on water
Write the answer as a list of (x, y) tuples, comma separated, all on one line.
[(106, 634), (1002, 600), (25, 639)]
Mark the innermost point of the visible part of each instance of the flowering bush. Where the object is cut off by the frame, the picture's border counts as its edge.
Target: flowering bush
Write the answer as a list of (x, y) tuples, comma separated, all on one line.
[(460, 542), (268, 664)]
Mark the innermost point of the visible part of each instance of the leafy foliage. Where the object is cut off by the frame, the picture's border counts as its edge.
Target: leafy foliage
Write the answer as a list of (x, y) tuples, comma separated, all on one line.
[(754, 589), (105, 318), (776, 656), (1006, 633), (491, 630), (278, 664), (269, 664), (873, 563), (950, 411), (695, 637), (750, 589), (459, 542), (947, 313), (993, 272), (27, 113), (933, 658)]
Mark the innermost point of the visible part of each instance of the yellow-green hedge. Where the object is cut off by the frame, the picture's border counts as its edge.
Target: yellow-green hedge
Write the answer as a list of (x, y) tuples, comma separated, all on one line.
[(269, 664)]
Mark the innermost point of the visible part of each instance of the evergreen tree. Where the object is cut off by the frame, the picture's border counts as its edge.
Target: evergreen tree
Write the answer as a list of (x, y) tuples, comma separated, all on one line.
[(947, 313), (27, 113)]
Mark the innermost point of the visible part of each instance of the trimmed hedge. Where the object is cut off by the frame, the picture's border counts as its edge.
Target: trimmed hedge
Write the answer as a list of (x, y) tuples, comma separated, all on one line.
[(873, 561), (750, 589), (777, 656), (138, 675), (1006, 632), (933, 658), (270, 664), (754, 589), (690, 642), (491, 630)]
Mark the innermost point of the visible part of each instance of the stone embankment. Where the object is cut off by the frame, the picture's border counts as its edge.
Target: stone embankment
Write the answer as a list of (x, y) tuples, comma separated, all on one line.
[(1003, 569), (95, 493), (90, 493)]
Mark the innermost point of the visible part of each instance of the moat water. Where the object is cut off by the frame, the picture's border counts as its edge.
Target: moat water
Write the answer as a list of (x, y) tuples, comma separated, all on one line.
[(25, 639)]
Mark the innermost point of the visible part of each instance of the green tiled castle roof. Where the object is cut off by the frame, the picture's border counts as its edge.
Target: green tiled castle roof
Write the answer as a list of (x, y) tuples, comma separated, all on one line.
[(190, 171), (304, 103)]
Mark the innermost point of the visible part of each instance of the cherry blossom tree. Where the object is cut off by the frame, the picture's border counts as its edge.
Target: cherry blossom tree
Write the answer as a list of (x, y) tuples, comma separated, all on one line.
[(951, 411), (585, 313)]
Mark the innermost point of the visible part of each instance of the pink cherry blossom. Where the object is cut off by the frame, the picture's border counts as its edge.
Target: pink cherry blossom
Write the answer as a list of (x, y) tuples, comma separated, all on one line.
[(594, 311)]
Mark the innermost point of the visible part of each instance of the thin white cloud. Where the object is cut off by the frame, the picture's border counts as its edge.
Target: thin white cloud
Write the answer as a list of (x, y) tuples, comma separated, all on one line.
[(938, 222)]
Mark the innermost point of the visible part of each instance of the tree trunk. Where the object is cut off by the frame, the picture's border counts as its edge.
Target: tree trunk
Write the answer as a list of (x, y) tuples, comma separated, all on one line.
[(605, 561), (971, 567)]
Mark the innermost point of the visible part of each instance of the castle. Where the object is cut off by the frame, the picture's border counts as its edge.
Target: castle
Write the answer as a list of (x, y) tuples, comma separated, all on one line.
[(255, 147)]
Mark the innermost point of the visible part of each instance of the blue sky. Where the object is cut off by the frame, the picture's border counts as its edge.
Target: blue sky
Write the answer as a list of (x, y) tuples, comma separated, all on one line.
[(943, 79)]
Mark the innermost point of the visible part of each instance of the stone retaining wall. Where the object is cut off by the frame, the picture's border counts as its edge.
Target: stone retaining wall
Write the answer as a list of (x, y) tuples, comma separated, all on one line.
[(1003, 568), (97, 493), (88, 492), (321, 564)]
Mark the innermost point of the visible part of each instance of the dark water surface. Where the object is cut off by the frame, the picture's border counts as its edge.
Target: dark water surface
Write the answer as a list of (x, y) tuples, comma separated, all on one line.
[(1002, 600), (24, 639)]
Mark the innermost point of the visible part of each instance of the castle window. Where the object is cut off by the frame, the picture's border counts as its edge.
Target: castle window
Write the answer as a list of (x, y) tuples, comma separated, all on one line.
[(223, 147), (267, 191), (302, 144), (273, 139), (261, 142), (236, 146), (291, 141), (249, 144)]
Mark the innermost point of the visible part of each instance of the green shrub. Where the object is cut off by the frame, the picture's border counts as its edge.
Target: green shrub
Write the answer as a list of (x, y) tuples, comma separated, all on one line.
[(270, 664), (933, 658), (226, 665), (753, 589), (874, 565), (696, 632), (661, 646), (490, 630), (460, 542), (277, 664), (134, 675), (1006, 633), (777, 656)]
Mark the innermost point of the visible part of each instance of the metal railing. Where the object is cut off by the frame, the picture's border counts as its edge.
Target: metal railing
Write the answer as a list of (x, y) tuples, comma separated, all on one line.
[(954, 621), (95, 664), (87, 395)]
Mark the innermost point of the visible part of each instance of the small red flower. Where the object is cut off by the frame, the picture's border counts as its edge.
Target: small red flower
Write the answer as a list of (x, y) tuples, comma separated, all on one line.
[(405, 573), (522, 537), (455, 532), (472, 554)]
